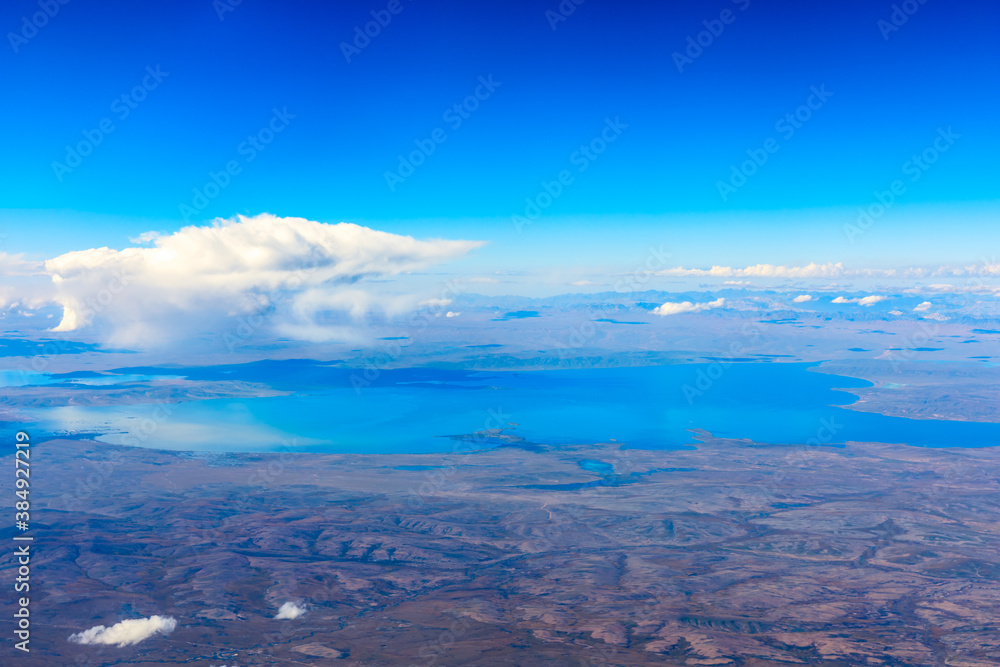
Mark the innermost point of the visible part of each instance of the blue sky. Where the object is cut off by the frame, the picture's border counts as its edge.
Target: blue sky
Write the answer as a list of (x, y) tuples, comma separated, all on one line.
[(554, 91)]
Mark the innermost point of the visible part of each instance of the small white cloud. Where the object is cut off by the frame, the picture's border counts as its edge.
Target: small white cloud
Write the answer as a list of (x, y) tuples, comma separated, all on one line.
[(895, 312), (290, 610), (923, 307), (802, 298), (585, 283), (144, 238), (863, 301), (127, 632), (687, 307), (452, 314)]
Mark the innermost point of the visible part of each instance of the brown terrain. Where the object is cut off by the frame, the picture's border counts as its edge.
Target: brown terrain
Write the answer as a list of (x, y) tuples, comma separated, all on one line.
[(732, 553), (952, 391)]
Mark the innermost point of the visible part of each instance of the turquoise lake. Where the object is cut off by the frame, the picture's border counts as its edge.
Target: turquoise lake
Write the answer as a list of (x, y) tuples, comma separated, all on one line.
[(415, 410)]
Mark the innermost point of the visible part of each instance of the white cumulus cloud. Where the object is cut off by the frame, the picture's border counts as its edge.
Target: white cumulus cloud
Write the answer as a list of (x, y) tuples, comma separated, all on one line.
[(870, 300), (923, 307), (802, 298), (290, 610), (127, 632), (687, 307), (301, 273)]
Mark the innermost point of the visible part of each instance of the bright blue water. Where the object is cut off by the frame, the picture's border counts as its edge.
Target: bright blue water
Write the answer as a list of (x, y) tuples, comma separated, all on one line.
[(24, 378), (19, 378), (593, 465), (410, 410)]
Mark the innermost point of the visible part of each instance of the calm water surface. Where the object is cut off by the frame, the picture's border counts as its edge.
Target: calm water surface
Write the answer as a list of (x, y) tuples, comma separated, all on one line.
[(414, 410)]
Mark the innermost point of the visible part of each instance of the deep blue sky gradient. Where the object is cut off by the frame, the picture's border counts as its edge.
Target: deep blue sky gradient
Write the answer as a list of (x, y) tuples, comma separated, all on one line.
[(607, 60)]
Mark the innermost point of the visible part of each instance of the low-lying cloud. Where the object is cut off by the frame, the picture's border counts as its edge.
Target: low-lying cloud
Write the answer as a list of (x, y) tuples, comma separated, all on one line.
[(290, 610), (687, 307), (127, 632)]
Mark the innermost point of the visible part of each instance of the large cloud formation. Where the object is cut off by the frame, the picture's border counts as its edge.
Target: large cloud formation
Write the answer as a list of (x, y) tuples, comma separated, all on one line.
[(127, 632), (235, 267)]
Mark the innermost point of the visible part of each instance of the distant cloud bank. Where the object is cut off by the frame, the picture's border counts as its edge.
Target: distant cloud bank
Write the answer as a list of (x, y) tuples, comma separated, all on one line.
[(813, 270), (830, 270)]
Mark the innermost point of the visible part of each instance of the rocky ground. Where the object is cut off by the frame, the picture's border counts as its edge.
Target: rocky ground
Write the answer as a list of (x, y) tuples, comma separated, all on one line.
[(728, 554)]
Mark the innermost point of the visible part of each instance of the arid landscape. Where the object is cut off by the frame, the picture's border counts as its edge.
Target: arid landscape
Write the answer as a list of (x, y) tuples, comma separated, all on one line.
[(500, 334), (731, 553)]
